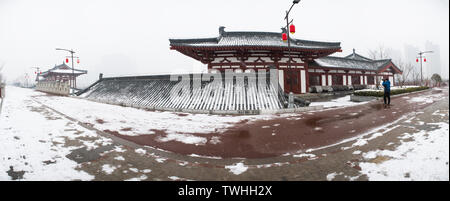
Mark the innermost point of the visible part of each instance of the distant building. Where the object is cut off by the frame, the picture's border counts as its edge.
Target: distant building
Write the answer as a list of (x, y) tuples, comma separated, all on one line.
[(433, 64), (62, 73), (353, 69)]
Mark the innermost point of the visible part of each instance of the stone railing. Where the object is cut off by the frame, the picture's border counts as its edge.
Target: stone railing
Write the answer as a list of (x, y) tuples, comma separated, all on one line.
[(54, 87)]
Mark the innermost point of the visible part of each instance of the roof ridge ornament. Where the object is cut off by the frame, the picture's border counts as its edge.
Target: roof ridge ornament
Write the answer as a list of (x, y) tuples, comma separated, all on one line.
[(221, 30)]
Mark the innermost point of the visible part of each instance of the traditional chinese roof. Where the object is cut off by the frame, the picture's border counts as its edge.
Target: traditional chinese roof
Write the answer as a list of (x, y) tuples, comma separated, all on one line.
[(356, 56), (252, 40), (354, 62), (63, 69)]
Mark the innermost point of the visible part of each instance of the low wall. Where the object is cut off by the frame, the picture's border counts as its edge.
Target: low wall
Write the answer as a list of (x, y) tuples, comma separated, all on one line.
[(228, 97), (2, 90), (53, 87)]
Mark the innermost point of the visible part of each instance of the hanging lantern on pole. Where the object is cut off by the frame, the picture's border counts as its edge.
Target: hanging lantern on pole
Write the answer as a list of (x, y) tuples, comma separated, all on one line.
[(67, 60), (292, 29), (284, 36), (425, 60), (417, 60), (78, 61)]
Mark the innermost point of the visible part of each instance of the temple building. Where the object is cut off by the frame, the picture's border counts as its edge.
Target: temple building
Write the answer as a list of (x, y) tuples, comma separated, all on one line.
[(353, 69), (302, 65), (248, 73), (62, 73)]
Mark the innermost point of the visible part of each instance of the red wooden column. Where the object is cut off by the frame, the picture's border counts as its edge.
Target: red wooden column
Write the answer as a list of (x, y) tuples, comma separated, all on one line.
[(307, 76)]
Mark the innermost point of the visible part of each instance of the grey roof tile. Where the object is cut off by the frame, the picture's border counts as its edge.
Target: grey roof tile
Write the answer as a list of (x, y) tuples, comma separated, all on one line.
[(252, 39)]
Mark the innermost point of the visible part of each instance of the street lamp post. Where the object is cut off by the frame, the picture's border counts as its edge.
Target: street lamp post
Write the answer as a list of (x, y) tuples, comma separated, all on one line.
[(37, 72), (73, 72), (420, 58), (289, 41)]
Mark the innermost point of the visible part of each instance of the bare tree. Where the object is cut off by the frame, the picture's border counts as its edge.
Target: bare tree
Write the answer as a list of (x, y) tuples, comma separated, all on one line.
[(379, 53), (407, 69)]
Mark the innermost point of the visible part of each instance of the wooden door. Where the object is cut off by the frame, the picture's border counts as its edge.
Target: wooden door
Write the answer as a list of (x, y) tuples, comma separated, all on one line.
[(292, 81)]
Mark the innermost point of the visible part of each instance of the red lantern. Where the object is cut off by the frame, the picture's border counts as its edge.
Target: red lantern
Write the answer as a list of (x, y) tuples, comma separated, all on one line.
[(67, 60), (425, 60), (78, 61), (284, 36), (292, 29), (417, 60)]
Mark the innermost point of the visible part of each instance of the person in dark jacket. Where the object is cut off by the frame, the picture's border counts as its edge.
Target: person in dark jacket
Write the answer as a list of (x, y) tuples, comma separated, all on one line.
[(387, 92)]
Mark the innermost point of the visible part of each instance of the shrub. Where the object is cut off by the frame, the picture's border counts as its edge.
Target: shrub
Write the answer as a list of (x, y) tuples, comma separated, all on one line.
[(340, 88), (393, 92), (359, 87)]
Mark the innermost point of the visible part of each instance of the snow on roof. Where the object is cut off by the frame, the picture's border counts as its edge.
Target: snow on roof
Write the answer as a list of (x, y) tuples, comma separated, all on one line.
[(252, 39), (356, 56), (350, 63), (64, 69)]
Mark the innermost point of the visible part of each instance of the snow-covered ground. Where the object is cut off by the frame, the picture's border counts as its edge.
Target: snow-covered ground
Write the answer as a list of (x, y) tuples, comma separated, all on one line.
[(33, 143), (339, 102), (34, 140), (133, 122), (421, 156)]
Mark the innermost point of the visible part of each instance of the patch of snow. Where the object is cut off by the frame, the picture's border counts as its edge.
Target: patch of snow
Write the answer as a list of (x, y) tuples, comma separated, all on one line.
[(357, 152), (142, 177), (339, 102), (331, 176), (304, 155), (134, 169), (214, 140), (119, 149), (174, 178), (108, 169), (119, 158), (184, 138), (161, 160), (209, 157), (237, 168), (140, 151)]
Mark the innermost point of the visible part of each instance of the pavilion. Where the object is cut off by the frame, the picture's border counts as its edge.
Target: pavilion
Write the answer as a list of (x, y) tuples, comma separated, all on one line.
[(63, 73)]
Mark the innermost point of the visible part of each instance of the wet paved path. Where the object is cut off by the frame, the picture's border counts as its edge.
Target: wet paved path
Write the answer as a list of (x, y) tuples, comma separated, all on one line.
[(270, 138)]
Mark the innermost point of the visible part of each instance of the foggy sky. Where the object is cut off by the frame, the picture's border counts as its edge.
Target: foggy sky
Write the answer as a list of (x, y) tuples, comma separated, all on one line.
[(131, 37)]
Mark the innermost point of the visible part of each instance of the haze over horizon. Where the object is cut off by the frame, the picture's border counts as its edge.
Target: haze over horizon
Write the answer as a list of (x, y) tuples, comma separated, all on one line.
[(131, 37)]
